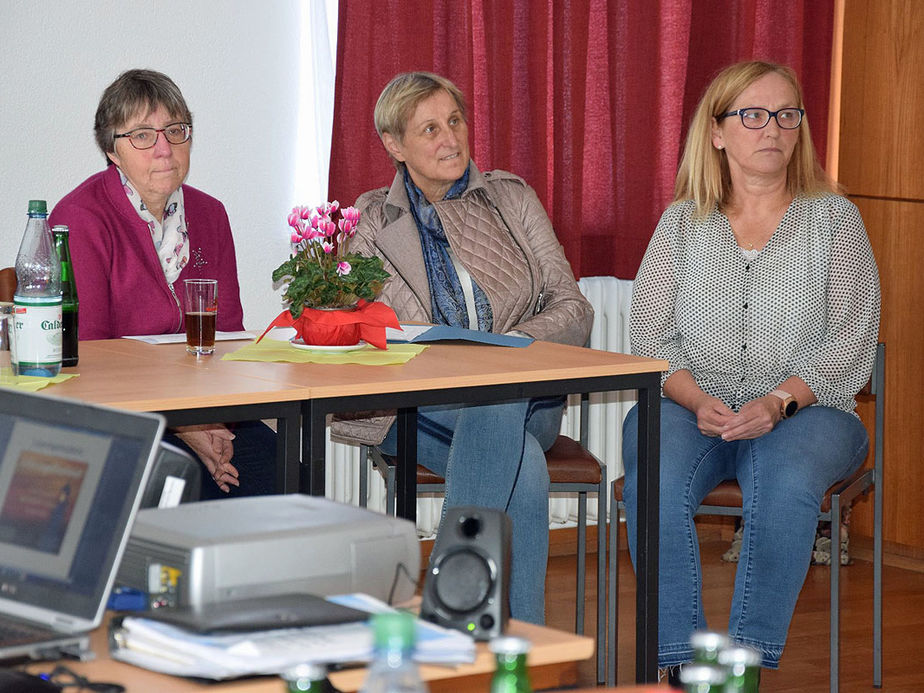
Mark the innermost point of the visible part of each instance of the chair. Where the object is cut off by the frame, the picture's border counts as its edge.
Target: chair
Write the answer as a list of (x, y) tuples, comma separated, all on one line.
[(175, 478), (572, 469), (7, 284), (726, 500)]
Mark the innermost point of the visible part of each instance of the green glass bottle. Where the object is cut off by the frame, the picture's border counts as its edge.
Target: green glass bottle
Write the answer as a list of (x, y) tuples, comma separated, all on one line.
[(743, 667), (511, 674), (69, 302), (306, 678), (706, 646), (703, 678)]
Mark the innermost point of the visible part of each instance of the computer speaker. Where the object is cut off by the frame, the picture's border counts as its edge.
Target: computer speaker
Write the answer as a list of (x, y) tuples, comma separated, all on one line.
[(467, 585)]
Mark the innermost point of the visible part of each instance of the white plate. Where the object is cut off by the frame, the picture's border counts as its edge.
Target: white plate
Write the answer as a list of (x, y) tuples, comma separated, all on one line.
[(299, 344)]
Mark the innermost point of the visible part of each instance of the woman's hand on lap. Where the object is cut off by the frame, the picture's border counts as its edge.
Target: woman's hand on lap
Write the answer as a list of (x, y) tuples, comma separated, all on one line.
[(712, 416), (212, 443), (755, 418)]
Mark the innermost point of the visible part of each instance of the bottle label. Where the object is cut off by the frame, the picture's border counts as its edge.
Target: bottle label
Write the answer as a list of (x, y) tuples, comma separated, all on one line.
[(36, 332)]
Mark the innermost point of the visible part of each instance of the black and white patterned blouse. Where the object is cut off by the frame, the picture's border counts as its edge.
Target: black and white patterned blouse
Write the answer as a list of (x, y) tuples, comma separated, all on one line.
[(807, 305)]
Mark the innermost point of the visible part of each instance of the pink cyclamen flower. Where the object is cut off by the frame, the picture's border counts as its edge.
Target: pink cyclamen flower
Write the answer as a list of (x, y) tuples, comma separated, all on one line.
[(296, 239), (294, 218), (351, 213), (348, 226), (327, 247), (343, 268), (327, 227)]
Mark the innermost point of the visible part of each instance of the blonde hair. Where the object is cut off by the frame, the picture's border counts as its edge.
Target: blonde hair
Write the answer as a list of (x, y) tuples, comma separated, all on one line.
[(401, 96), (703, 174)]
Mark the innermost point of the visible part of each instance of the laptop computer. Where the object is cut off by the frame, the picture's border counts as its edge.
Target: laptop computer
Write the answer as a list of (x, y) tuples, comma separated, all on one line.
[(71, 479)]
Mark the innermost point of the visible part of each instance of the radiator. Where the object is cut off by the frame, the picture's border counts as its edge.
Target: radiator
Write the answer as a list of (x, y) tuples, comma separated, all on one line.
[(610, 298)]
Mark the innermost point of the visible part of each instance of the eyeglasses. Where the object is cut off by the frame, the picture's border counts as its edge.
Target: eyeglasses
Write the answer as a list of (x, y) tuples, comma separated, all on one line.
[(757, 118), (145, 138)]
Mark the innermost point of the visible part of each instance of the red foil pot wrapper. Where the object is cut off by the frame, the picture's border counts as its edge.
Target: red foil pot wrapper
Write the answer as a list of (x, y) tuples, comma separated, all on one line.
[(340, 327)]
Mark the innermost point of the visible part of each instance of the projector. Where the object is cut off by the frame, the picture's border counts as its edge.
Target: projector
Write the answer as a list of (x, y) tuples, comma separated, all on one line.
[(236, 548)]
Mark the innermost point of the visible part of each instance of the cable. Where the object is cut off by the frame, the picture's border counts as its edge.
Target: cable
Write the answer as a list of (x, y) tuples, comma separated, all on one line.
[(65, 678), (394, 583)]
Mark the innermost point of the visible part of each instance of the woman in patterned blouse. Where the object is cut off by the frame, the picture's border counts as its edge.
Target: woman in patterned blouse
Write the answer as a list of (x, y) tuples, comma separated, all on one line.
[(760, 288)]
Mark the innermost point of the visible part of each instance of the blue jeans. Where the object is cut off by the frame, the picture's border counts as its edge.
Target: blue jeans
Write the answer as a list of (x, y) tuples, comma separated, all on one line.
[(492, 455), (254, 457), (783, 475)]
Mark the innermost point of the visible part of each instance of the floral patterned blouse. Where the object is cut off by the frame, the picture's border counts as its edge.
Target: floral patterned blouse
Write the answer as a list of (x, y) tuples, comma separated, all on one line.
[(806, 305)]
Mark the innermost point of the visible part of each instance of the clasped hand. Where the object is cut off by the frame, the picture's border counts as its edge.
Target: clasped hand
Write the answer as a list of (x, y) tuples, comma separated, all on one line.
[(759, 416), (212, 443)]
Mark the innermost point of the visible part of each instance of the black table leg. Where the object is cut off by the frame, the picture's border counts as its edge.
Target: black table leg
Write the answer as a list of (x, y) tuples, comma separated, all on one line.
[(649, 444), (314, 421), (406, 472), (288, 434)]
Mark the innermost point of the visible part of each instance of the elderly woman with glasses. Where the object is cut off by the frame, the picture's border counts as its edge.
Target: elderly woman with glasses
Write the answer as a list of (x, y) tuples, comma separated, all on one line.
[(136, 232), (760, 289), (473, 250)]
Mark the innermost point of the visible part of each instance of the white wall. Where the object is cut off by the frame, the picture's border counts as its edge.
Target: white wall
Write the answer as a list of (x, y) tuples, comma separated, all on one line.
[(237, 64)]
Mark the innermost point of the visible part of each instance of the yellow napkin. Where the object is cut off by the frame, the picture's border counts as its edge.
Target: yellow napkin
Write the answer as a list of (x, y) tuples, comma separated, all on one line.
[(276, 350), (32, 383)]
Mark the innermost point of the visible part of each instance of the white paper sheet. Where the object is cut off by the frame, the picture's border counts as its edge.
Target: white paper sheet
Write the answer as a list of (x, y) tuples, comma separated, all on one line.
[(181, 338)]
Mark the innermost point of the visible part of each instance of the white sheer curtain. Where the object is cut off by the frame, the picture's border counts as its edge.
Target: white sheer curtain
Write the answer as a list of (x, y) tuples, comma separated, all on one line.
[(318, 65)]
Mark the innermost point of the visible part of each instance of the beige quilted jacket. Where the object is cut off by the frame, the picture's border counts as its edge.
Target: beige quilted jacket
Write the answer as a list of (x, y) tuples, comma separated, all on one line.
[(500, 232)]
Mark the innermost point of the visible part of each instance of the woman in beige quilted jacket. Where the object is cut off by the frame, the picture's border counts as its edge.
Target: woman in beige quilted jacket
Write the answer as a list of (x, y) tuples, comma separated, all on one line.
[(473, 250)]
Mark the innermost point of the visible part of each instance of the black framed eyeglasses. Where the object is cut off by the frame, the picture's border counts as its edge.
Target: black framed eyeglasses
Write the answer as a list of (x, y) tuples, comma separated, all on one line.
[(145, 138), (757, 118)]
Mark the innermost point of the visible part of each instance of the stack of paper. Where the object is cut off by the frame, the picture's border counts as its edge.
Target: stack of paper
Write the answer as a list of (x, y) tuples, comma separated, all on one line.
[(171, 650)]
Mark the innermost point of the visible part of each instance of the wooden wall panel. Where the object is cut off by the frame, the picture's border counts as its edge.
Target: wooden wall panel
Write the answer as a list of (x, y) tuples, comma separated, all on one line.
[(882, 98), (895, 230), (881, 163)]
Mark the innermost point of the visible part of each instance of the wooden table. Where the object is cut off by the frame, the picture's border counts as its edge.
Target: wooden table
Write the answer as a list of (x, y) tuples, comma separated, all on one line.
[(449, 373), (552, 663), (187, 390)]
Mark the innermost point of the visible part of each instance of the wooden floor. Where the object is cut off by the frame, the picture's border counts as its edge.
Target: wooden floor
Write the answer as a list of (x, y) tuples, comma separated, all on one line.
[(804, 666)]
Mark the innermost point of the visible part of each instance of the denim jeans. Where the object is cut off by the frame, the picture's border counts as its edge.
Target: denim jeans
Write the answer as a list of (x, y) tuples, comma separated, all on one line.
[(783, 475), (492, 455)]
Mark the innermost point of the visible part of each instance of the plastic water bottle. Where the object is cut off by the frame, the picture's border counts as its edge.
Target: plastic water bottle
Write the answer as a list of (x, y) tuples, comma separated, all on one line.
[(69, 301), (36, 343), (393, 670)]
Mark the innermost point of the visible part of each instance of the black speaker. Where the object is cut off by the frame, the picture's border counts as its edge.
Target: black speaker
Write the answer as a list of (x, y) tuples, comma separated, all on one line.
[(468, 581)]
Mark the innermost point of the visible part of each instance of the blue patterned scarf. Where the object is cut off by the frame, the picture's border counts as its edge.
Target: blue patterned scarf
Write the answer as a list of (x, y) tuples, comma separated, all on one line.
[(447, 301)]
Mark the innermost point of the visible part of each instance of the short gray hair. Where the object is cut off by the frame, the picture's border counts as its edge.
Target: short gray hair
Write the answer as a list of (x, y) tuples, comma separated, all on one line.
[(135, 91), (401, 96)]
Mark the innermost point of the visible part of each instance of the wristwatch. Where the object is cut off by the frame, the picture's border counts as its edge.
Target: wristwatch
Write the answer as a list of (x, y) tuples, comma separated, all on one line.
[(788, 403)]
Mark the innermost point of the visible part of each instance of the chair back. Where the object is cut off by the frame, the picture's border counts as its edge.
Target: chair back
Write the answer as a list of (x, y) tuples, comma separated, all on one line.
[(175, 478), (877, 390), (7, 284)]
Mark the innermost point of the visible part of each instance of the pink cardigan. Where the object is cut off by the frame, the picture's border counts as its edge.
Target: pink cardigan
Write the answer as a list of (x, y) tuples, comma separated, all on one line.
[(120, 283)]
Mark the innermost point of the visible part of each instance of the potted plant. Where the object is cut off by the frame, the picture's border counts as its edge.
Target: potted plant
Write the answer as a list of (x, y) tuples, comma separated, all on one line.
[(330, 290)]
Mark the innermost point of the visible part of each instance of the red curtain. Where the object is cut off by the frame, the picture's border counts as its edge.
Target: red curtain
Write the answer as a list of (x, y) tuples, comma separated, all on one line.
[(588, 100)]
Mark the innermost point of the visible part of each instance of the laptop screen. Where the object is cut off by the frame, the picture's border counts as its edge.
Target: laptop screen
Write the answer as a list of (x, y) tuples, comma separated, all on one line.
[(71, 477)]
